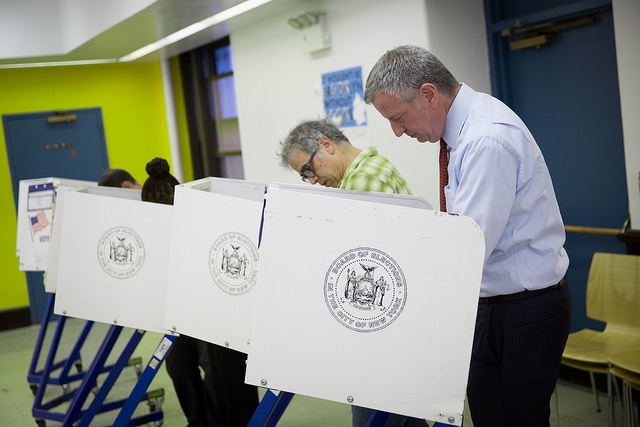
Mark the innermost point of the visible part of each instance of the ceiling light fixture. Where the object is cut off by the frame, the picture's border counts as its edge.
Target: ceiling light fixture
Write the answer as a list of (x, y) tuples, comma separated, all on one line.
[(194, 28), (58, 64), (152, 47)]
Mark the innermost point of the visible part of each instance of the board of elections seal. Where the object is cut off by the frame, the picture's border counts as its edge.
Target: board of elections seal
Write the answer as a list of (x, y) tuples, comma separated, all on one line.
[(365, 289), (121, 252), (233, 263)]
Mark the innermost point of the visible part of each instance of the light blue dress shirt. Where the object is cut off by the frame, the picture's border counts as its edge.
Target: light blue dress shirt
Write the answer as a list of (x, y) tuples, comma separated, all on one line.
[(498, 178)]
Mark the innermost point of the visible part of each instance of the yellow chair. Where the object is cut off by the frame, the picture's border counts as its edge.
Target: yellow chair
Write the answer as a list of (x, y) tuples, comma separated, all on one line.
[(613, 297), (626, 366)]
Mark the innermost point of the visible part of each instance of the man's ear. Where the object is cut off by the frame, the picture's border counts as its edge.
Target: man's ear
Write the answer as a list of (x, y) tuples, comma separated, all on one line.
[(428, 91), (327, 144)]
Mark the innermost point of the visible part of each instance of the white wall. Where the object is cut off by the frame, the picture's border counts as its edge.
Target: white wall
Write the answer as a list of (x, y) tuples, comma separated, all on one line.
[(277, 85), (81, 20), (54, 27), (42, 14), (626, 16)]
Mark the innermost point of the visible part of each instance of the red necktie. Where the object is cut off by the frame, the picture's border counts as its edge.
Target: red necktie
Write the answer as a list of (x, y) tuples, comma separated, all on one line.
[(444, 174)]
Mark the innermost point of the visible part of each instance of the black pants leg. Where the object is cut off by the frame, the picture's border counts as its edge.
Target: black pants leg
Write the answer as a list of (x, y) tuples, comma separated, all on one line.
[(182, 364), (236, 400), (517, 349)]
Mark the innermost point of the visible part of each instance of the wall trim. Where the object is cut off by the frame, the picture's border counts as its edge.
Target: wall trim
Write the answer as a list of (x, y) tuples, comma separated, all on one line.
[(15, 318)]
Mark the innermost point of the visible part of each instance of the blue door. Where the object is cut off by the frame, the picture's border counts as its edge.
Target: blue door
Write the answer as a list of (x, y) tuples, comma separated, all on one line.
[(566, 90), (63, 144)]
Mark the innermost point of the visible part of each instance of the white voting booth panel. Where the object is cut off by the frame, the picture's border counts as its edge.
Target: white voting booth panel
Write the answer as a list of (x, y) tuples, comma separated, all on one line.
[(214, 260), (51, 274), (113, 260), (366, 302), (36, 200)]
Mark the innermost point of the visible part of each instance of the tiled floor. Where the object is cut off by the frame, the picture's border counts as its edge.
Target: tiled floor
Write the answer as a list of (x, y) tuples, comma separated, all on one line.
[(576, 403)]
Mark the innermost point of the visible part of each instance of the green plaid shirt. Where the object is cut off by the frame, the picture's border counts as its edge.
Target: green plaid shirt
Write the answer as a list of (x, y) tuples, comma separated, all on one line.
[(372, 172)]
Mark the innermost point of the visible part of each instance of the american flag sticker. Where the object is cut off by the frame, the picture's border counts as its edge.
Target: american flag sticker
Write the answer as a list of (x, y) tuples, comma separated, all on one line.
[(39, 222)]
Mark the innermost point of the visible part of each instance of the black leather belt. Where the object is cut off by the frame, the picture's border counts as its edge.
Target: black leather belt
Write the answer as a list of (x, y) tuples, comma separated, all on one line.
[(520, 295)]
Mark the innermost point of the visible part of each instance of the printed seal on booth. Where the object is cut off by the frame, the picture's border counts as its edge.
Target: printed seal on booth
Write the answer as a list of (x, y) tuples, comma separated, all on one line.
[(365, 289), (121, 252), (233, 263)]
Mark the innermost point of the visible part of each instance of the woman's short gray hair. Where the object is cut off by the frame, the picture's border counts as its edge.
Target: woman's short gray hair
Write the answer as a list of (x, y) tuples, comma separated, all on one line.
[(401, 72), (305, 136)]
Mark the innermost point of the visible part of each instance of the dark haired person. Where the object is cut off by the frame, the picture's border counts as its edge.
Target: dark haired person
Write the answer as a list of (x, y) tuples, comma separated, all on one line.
[(119, 178), (221, 398)]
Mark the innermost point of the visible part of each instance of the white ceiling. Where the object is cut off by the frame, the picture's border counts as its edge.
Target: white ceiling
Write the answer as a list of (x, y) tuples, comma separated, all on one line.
[(159, 20)]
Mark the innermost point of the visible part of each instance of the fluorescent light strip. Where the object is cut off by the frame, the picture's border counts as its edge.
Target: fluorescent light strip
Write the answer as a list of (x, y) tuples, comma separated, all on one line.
[(58, 64), (166, 41), (194, 28)]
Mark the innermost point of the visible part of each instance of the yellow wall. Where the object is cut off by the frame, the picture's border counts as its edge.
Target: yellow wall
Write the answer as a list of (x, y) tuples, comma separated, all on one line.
[(181, 119), (132, 103)]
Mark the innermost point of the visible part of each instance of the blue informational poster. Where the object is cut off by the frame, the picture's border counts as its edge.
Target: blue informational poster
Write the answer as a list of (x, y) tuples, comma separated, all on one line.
[(343, 97)]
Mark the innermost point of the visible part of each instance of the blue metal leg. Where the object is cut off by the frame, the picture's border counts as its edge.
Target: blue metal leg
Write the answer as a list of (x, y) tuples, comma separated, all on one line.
[(90, 378), (74, 357), (143, 382), (270, 409), (32, 376), (38, 410), (97, 403)]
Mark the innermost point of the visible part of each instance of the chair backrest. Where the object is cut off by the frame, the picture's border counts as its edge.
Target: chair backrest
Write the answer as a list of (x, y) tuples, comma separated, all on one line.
[(613, 290)]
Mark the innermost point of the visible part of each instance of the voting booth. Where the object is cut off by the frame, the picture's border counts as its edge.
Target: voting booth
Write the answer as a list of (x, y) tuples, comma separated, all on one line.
[(366, 298), (51, 278), (113, 257), (214, 260), (69, 253), (36, 201)]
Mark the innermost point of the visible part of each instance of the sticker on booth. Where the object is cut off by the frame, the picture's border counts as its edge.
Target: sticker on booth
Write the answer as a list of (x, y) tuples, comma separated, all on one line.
[(121, 252), (365, 289), (233, 263)]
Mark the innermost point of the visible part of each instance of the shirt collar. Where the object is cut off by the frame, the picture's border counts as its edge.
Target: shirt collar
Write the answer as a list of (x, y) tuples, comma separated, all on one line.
[(367, 152), (457, 115)]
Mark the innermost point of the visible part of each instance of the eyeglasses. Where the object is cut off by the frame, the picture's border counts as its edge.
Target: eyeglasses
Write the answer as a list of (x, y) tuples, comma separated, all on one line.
[(306, 171)]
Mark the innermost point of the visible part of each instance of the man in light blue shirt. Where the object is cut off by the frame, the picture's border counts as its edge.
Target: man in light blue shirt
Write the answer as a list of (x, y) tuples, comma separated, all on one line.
[(497, 177)]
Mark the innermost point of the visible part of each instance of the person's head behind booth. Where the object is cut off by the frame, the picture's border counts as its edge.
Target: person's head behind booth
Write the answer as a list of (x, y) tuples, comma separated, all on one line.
[(119, 178), (160, 185), (318, 151)]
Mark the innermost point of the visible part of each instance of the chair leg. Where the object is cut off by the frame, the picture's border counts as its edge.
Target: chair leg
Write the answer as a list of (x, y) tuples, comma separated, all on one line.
[(617, 389), (556, 408), (628, 401), (595, 390), (610, 400)]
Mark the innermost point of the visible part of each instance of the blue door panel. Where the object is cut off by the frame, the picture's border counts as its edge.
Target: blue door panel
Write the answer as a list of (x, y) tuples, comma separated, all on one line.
[(567, 93), (39, 147)]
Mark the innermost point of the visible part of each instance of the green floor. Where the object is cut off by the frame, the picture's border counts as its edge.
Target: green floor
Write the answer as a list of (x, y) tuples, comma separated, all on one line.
[(576, 403)]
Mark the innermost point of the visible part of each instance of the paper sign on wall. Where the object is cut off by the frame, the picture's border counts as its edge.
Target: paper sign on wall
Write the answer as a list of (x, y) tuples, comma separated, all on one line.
[(343, 97)]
